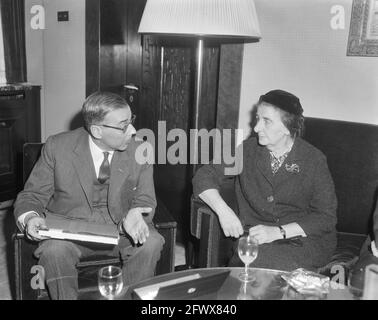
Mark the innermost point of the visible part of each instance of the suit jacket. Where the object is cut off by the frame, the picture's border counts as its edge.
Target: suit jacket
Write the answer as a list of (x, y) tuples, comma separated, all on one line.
[(302, 191), (62, 180)]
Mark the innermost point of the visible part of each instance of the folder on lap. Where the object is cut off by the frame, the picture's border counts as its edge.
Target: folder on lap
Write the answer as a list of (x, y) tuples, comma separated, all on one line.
[(60, 227)]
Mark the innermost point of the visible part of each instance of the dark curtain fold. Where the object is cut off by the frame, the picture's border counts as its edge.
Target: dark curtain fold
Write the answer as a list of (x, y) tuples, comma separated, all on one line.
[(13, 24)]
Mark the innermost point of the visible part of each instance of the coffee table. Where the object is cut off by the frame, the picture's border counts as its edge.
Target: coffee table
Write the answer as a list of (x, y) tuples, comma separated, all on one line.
[(269, 285)]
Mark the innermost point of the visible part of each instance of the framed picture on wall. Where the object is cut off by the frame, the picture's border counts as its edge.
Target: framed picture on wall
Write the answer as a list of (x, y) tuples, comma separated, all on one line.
[(363, 32)]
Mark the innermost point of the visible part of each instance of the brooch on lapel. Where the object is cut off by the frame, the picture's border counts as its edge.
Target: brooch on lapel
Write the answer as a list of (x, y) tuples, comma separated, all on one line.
[(293, 168)]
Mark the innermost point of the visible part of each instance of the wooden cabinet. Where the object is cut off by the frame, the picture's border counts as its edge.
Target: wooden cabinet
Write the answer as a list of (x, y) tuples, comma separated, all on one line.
[(20, 122)]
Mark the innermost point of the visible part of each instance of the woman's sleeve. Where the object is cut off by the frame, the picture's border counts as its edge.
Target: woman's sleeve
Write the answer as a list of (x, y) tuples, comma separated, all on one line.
[(212, 176), (321, 217)]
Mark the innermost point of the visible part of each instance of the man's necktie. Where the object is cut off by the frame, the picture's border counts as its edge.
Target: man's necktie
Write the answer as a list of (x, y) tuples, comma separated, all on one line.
[(104, 173)]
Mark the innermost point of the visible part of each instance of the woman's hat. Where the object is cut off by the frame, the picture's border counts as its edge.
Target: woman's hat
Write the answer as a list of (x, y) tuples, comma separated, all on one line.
[(283, 100)]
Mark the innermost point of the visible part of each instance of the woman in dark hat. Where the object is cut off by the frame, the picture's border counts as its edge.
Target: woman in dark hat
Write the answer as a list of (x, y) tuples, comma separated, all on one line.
[(285, 193)]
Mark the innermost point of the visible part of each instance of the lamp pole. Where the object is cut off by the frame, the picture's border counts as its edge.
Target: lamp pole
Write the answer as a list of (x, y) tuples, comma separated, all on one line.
[(197, 101)]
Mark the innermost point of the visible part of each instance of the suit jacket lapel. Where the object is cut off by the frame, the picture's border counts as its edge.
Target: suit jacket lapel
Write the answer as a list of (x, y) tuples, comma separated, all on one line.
[(263, 163), (84, 166), (118, 172), (294, 158)]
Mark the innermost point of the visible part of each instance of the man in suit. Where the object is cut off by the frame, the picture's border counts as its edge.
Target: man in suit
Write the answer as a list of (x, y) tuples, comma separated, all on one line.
[(92, 174)]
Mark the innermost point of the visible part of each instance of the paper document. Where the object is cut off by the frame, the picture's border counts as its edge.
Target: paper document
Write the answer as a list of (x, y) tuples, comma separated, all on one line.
[(61, 234), (60, 227)]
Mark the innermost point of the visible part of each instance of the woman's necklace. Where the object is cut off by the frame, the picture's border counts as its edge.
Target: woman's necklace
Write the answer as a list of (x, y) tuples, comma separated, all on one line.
[(277, 159)]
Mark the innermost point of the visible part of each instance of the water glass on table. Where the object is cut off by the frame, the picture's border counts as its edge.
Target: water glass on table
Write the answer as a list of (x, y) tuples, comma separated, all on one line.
[(356, 280), (248, 249), (110, 281), (371, 282)]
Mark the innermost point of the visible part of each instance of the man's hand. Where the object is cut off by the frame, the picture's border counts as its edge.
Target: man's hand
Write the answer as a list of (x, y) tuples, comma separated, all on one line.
[(32, 227), (265, 234), (135, 226), (230, 223)]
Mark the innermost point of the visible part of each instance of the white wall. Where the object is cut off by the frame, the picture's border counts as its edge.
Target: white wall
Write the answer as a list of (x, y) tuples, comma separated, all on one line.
[(301, 53), (56, 61)]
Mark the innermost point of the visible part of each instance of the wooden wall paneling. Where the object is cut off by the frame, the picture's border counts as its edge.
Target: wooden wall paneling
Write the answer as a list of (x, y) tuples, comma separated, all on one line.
[(149, 95), (134, 54), (172, 180), (113, 45), (230, 72), (209, 95), (170, 98), (134, 42), (229, 85), (92, 45), (176, 88)]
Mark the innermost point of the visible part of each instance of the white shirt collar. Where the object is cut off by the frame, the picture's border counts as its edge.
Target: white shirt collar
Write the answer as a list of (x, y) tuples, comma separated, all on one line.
[(97, 152)]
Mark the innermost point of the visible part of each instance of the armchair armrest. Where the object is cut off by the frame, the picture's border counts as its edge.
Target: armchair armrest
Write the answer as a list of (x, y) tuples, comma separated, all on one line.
[(214, 246), (167, 227)]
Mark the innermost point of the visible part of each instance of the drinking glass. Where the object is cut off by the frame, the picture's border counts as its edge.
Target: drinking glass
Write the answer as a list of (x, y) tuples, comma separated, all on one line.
[(243, 294), (371, 282), (247, 248), (356, 282), (110, 281)]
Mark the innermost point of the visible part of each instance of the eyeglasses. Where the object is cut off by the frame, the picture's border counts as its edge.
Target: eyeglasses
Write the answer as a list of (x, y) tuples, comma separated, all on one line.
[(124, 128)]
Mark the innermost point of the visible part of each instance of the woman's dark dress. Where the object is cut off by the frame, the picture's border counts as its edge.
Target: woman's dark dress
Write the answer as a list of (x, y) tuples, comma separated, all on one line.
[(301, 191)]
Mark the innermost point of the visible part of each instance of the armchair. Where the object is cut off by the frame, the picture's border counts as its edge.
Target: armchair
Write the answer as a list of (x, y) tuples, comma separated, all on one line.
[(29, 276)]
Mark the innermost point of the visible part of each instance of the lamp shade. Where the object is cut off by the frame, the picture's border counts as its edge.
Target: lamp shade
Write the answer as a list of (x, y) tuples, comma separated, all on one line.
[(208, 18)]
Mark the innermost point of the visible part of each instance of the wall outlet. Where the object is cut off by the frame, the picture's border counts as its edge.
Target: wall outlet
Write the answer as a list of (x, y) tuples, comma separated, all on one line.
[(63, 16)]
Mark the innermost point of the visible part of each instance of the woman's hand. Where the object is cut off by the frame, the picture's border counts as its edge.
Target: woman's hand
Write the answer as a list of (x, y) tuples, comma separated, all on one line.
[(265, 234), (230, 223)]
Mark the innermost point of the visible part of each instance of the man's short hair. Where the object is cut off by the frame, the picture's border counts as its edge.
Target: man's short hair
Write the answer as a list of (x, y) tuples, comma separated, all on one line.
[(98, 105)]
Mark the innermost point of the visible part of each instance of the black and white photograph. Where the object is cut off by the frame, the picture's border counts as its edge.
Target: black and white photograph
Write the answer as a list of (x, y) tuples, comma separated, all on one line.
[(206, 151)]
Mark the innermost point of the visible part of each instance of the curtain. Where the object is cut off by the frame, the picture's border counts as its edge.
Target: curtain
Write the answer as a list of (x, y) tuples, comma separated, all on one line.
[(13, 25)]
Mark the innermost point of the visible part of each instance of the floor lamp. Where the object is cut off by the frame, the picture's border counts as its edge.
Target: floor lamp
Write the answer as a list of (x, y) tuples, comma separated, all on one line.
[(201, 19)]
